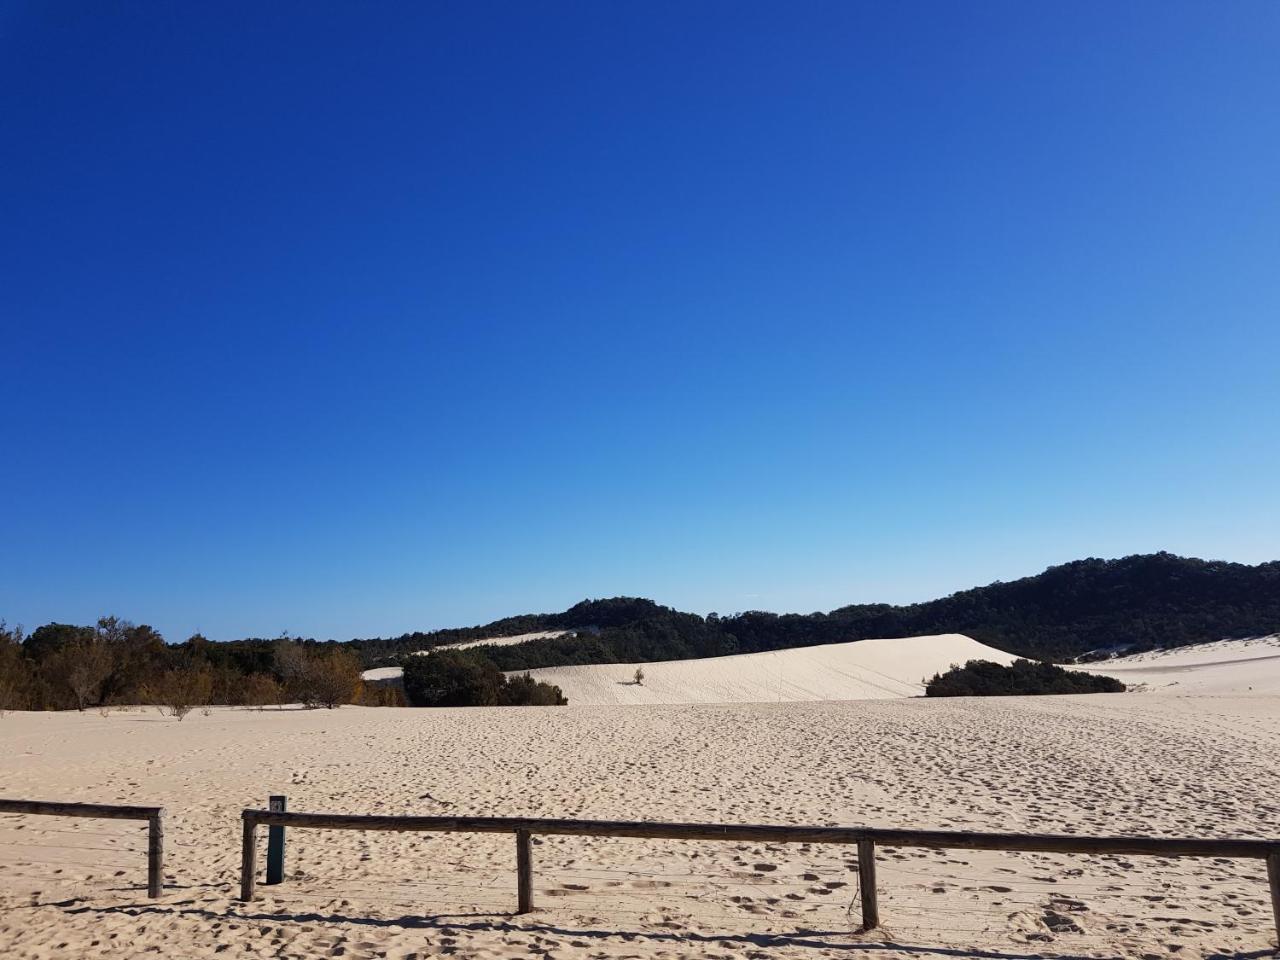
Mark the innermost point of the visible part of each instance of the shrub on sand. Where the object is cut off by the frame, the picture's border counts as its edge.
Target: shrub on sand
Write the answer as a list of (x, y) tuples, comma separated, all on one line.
[(179, 691), (458, 678), (982, 678)]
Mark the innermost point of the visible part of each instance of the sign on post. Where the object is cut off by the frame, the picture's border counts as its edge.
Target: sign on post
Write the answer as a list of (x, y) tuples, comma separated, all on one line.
[(275, 844)]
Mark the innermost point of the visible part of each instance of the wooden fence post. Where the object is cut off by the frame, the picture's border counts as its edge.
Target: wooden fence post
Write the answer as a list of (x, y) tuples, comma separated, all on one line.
[(275, 843), (1273, 880), (867, 884), (155, 855), (248, 857), (524, 871)]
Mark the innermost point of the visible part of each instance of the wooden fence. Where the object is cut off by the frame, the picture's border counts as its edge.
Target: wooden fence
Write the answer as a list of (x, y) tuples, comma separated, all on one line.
[(864, 838), (153, 815)]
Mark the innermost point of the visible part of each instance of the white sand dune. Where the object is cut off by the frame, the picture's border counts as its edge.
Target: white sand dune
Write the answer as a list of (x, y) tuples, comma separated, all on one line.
[(857, 670), (1220, 668)]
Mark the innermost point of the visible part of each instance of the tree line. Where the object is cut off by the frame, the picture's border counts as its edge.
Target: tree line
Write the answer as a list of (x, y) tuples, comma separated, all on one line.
[(1084, 610), (1087, 609), (115, 662)]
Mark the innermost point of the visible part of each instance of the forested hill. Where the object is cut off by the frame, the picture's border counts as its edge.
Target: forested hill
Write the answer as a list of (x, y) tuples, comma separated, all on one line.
[(1136, 603)]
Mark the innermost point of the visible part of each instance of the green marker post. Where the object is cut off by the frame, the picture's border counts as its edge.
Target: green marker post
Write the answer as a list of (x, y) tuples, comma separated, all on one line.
[(275, 844)]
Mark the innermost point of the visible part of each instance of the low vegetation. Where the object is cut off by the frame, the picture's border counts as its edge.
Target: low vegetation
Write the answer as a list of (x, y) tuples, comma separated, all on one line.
[(181, 690), (982, 678), (115, 662), (463, 678), (318, 678)]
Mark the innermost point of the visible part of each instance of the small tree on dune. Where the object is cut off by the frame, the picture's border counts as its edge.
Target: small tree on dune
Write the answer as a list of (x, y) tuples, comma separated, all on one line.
[(293, 664), (639, 676), (185, 688), (334, 678)]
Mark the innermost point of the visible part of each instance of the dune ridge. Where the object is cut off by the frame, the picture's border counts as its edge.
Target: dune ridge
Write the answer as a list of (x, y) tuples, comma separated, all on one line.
[(856, 670)]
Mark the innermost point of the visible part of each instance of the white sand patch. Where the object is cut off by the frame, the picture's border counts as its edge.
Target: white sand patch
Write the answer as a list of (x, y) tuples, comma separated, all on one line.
[(1219, 668), (857, 670), (505, 641), (383, 674)]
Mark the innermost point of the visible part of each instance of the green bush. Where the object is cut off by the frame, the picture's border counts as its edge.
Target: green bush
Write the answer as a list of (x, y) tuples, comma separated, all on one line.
[(451, 678), (982, 678), (458, 678), (524, 691)]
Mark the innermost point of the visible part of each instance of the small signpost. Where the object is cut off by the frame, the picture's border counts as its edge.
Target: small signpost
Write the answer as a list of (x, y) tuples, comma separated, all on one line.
[(275, 844)]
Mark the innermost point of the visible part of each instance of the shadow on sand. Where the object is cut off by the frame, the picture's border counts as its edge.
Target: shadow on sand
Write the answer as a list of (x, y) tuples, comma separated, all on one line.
[(452, 923)]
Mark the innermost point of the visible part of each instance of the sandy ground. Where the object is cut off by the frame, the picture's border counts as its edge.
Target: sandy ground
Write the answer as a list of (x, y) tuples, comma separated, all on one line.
[(1136, 763), (1226, 667), (859, 670)]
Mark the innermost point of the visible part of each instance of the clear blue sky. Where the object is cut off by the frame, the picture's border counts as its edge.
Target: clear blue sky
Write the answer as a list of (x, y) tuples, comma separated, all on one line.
[(351, 319)]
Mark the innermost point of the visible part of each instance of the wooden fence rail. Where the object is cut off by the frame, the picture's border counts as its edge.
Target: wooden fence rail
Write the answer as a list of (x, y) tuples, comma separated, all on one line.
[(865, 838), (101, 811)]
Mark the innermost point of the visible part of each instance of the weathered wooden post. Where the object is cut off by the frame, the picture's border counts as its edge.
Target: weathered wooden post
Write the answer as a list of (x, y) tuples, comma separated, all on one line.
[(248, 856), (524, 871), (275, 843), (1273, 880), (867, 884), (155, 854)]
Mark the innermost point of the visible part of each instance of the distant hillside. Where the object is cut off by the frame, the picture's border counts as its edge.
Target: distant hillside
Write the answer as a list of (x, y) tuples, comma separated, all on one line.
[(588, 617), (1135, 603)]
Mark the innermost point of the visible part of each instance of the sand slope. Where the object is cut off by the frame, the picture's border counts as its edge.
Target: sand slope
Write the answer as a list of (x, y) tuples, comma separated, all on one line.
[(858, 670), (1224, 667)]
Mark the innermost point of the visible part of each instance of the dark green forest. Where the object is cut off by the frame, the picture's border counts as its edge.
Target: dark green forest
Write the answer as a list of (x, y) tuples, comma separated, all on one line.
[(1080, 610)]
